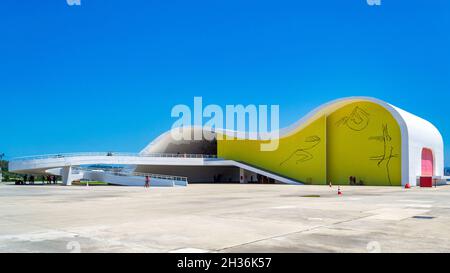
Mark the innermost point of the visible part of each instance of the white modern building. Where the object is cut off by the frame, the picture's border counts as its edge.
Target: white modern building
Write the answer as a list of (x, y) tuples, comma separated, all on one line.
[(355, 140)]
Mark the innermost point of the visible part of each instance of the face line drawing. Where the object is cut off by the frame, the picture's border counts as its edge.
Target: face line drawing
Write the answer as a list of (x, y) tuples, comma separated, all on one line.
[(358, 120)]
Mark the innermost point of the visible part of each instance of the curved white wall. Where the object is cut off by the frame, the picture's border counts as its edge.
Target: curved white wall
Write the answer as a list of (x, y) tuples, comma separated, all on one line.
[(422, 134)]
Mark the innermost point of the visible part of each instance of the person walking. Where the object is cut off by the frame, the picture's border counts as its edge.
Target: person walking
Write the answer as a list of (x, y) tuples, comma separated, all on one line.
[(55, 179), (49, 179), (147, 181)]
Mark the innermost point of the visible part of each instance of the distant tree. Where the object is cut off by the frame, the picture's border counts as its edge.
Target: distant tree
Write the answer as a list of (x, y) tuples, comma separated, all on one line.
[(2, 155), (3, 164)]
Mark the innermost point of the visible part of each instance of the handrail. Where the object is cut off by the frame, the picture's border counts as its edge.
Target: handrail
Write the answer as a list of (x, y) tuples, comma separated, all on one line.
[(68, 155), (120, 173)]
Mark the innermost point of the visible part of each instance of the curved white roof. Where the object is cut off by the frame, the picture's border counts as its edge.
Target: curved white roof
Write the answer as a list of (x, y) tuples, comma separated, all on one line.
[(165, 143)]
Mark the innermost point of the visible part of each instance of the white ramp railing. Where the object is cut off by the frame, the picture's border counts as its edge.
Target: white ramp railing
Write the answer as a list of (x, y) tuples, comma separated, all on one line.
[(68, 155), (130, 178)]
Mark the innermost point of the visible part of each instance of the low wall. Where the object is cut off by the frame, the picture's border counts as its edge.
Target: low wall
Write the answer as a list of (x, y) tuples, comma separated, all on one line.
[(131, 180)]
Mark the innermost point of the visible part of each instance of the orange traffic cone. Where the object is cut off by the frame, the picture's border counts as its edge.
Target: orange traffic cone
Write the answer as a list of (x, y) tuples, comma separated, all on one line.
[(339, 191)]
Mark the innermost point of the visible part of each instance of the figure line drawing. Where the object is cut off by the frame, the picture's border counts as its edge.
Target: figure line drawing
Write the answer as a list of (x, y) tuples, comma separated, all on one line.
[(304, 154), (388, 151)]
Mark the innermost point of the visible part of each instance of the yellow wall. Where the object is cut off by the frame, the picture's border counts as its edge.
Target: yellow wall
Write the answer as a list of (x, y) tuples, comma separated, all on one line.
[(301, 156), (364, 140), (360, 139)]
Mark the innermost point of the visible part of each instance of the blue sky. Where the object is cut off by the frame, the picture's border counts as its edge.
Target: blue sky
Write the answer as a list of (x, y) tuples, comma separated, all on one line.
[(105, 75)]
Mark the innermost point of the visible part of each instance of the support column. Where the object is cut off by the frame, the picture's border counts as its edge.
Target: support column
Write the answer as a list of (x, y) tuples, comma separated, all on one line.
[(67, 176), (242, 179)]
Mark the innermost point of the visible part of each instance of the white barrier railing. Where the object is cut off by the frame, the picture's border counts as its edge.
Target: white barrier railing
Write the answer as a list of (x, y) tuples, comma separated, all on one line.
[(120, 173), (66, 155)]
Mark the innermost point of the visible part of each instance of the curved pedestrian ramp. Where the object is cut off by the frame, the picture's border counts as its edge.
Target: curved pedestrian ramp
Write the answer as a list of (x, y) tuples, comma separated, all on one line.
[(73, 167), (127, 178)]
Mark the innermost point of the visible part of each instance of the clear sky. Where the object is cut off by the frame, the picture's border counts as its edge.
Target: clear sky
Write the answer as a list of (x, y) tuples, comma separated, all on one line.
[(105, 75)]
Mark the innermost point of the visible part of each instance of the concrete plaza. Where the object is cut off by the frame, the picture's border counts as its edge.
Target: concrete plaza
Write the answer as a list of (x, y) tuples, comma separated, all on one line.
[(223, 218)]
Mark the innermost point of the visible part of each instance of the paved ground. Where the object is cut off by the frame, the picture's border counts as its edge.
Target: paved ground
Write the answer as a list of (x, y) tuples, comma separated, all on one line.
[(223, 218)]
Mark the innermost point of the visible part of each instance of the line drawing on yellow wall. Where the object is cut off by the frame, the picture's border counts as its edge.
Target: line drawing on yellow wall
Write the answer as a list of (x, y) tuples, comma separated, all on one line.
[(303, 154), (358, 120), (388, 151)]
